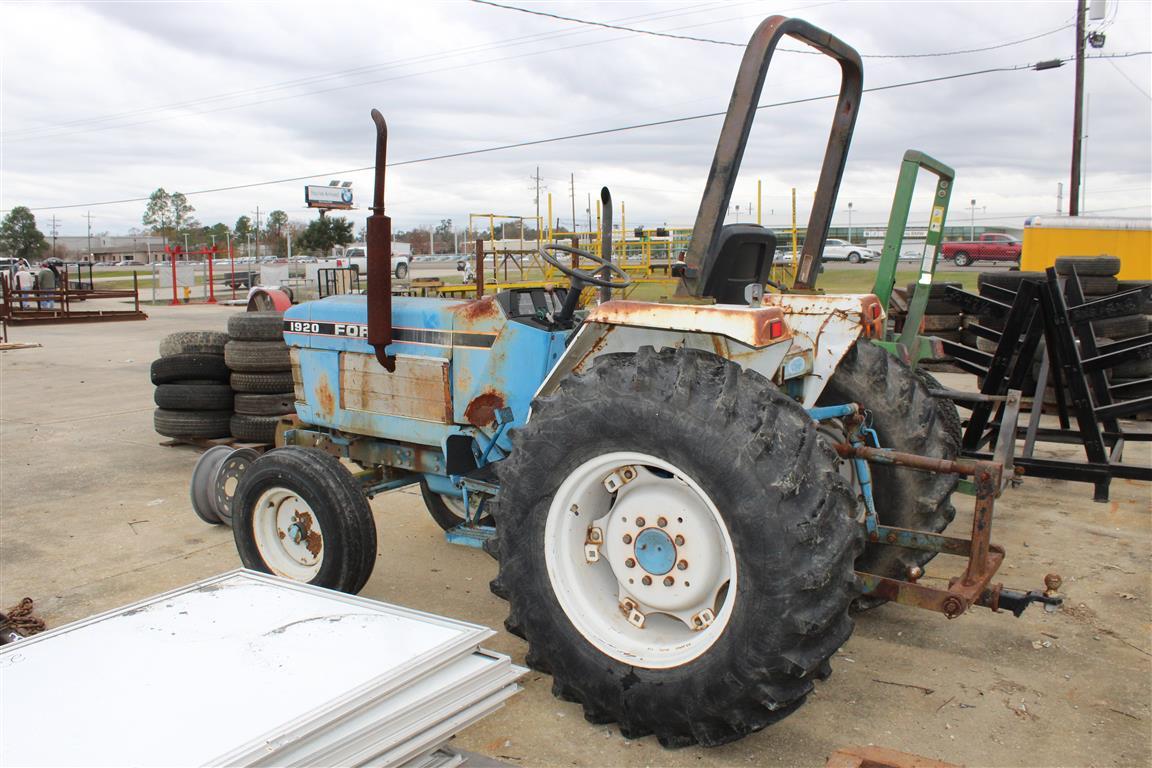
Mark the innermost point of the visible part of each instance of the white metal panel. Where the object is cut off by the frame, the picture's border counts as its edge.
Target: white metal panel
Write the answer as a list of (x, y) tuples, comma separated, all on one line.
[(421, 743), (132, 686), (407, 713)]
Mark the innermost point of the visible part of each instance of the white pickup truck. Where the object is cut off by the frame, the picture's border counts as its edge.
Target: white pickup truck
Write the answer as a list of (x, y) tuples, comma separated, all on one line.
[(356, 255)]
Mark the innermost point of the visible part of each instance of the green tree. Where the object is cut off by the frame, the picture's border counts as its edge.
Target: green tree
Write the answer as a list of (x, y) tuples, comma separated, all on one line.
[(323, 234), (277, 220), (243, 227), (169, 215), (19, 236)]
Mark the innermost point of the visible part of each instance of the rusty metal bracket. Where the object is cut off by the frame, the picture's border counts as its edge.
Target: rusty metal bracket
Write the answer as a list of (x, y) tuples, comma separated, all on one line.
[(973, 587)]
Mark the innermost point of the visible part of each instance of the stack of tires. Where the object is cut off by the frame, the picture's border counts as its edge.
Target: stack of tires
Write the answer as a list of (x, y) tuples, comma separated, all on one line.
[(942, 318), (261, 375), (193, 397), (1097, 276)]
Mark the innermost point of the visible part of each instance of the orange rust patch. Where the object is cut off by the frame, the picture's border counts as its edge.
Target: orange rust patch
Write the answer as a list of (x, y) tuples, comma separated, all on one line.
[(482, 410), (478, 309), (325, 401), (313, 543)]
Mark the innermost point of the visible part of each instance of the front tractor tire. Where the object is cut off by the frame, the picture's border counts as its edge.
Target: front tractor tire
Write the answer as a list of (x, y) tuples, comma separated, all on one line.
[(677, 546), (299, 513)]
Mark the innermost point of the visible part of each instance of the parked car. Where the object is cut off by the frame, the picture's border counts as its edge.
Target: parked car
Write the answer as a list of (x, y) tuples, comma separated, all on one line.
[(842, 250), (990, 246), (128, 263), (357, 256)]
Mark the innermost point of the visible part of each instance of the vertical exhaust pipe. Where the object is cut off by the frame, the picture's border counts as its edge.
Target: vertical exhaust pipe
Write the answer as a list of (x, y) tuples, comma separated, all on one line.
[(606, 241), (380, 257)]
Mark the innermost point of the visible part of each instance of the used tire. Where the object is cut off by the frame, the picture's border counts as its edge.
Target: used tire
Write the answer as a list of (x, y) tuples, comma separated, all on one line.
[(447, 511), (194, 397), (1136, 369), (193, 343), (257, 356), (299, 513), (253, 429), (256, 326), (1098, 286), (1128, 285), (1008, 280), (1106, 266), (1121, 327), (933, 323), (262, 383), (744, 478), (167, 370), (401, 271), (277, 404), (907, 419), (191, 423)]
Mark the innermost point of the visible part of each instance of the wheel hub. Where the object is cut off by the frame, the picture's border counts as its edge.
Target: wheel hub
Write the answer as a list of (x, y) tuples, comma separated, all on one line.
[(288, 534), (655, 551)]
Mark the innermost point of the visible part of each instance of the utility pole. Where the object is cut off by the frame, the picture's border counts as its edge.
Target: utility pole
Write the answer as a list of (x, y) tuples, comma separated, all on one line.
[(1078, 113), (54, 230), (257, 212), (588, 211), (537, 179), (89, 217), (1059, 197), (572, 194)]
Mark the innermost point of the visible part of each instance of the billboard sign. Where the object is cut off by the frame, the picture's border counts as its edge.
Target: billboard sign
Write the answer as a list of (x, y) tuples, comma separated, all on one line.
[(316, 196)]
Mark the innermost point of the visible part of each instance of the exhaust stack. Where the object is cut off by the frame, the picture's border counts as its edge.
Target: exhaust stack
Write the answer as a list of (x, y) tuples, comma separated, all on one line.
[(380, 257)]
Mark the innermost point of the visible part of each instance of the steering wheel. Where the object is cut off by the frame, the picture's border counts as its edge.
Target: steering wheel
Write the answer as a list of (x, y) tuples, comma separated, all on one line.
[(583, 275)]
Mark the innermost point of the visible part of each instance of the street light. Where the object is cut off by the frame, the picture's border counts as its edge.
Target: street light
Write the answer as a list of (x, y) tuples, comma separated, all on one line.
[(972, 225), (849, 222), (185, 246)]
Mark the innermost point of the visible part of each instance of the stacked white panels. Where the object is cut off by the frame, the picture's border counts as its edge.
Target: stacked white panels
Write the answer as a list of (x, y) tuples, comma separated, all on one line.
[(247, 669)]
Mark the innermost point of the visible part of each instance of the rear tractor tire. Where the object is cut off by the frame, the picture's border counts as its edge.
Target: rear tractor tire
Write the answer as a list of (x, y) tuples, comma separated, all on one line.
[(907, 419), (681, 561), (299, 513)]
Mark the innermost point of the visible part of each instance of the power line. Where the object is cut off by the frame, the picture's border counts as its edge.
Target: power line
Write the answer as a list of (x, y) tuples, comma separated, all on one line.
[(711, 41), (425, 58), (1130, 80), (582, 135)]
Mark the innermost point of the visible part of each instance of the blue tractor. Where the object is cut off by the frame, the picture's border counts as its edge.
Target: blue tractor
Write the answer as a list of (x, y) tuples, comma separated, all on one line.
[(684, 498)]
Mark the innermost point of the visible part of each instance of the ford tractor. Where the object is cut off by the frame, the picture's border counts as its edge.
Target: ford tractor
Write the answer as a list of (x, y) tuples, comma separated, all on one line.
[(685, 498)]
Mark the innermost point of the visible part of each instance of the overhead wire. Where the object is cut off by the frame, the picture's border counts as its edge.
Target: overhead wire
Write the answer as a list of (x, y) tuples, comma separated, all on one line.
[(581, 135), (423, 58), (691, 38)]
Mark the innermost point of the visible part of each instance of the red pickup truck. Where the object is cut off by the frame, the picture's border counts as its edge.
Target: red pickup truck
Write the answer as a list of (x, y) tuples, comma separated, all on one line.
[(990, 246)]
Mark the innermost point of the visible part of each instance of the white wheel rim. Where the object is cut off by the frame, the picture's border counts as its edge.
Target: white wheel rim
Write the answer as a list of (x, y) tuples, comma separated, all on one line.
[(288, 534), (657, 590), (455, 505)]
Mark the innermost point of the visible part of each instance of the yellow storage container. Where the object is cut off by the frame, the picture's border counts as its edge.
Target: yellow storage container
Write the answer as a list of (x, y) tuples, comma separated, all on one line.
[(1047, 237)]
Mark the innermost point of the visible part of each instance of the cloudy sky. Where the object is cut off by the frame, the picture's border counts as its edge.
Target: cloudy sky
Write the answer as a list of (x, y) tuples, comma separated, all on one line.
[(107, 101)]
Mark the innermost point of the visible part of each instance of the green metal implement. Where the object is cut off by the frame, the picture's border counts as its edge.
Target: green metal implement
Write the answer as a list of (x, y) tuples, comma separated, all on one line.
[(911, 346)]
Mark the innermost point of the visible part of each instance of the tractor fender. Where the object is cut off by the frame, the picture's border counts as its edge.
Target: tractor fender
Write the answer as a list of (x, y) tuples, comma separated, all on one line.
[(787, 337)]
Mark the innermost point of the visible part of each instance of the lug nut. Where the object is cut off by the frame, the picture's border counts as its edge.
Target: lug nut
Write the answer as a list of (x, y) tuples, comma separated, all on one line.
[(646, 581), (640, 522), (682, 565), (630, 563), (662, 522), (679, 540), (627, 538), (669, 581)]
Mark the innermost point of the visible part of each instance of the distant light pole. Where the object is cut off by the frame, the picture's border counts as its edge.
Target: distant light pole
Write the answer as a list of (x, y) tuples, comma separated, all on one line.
[(185, 246), (972, 225), (849, 222)]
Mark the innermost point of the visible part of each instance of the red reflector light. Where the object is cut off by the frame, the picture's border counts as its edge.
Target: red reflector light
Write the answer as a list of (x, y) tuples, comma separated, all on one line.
[(875, 311), (776, 329)]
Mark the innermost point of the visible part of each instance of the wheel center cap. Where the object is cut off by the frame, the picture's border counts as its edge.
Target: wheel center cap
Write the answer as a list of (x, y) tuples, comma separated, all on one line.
[(655, 551)]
